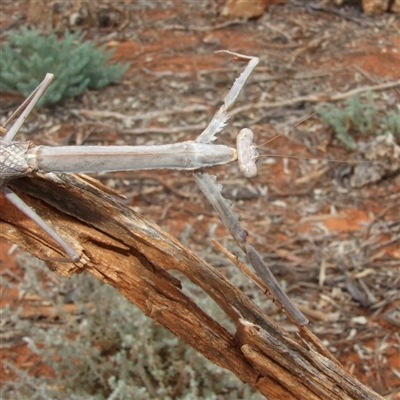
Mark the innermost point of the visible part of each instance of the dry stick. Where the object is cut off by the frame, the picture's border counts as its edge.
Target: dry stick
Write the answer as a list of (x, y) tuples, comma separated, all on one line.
[(298, 362), (165, 131), (206, 28), (340, 13), (139, 116), (134, 255), (314, 98)]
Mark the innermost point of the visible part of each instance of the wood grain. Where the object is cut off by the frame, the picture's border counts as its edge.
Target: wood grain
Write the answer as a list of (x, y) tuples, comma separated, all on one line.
[(135, 256)]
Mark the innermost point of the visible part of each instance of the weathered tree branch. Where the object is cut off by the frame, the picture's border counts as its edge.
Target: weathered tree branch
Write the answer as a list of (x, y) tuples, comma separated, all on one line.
[(134, 255)]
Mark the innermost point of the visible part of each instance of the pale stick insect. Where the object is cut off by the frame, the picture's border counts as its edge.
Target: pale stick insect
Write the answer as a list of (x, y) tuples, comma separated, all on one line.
[(24, 158)]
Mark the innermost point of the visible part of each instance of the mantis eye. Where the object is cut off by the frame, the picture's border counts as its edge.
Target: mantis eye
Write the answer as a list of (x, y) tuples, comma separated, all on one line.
[(247, 154)]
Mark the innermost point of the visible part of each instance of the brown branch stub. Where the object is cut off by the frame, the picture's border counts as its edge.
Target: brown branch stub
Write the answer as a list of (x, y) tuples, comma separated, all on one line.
[(135, 256), (305, 373)]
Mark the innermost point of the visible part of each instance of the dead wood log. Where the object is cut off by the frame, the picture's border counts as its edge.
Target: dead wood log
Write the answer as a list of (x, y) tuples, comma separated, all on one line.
[(135, 256)]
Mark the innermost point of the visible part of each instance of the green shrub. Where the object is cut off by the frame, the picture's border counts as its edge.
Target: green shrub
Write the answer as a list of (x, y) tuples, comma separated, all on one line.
[(358, 117), (77, 65), (109, 349), (391, 124)]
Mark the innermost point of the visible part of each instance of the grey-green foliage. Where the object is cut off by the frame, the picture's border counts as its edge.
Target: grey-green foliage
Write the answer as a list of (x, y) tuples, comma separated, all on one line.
[(358, 117), (76, 64), (110, 350), (391, 123)]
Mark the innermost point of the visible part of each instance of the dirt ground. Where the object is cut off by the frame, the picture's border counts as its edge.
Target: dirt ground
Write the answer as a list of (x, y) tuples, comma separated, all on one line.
[(335, 248)]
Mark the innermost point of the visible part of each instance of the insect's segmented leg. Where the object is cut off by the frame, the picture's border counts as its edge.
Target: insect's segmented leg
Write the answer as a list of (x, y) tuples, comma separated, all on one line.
[(221, 117), (22, 206), (233, 94), (266, 275), (13, 164), (29, 103), (212, 192), (247, 155)]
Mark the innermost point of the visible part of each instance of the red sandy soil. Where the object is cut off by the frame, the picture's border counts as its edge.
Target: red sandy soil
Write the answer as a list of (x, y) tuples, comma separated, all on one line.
[(185, 50)]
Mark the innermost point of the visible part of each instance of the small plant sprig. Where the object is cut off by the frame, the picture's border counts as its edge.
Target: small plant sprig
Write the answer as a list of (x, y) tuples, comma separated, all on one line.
[(391, 123), (76, 64), (359, 118)]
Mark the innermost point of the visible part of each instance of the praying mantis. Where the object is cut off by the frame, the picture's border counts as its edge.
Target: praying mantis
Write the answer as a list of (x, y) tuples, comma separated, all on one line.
[(24, 158)]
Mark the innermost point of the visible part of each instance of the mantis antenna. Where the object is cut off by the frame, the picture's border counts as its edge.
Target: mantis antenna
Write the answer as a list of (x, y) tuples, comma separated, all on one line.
[(248, 155)]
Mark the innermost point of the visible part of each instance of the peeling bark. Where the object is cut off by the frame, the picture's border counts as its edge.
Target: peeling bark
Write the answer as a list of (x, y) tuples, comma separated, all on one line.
[(135, 256)]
